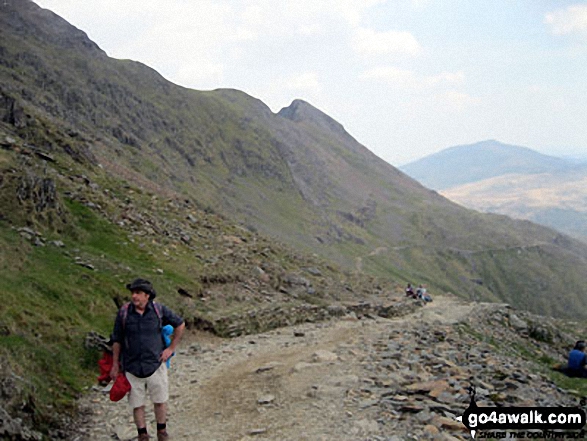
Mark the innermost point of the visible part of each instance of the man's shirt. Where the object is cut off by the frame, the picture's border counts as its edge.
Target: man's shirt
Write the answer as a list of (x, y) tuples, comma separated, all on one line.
[(140, 338), (576, 359)]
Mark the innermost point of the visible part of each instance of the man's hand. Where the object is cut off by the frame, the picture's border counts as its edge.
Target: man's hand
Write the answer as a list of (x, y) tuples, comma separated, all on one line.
[(166, 354)]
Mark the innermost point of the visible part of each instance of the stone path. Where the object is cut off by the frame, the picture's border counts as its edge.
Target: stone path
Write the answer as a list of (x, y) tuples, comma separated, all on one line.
[(346, 379)]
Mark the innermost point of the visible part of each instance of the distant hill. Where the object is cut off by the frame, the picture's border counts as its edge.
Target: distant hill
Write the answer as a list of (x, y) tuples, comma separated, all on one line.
[(516, 181), (575, 158), (464, 164)]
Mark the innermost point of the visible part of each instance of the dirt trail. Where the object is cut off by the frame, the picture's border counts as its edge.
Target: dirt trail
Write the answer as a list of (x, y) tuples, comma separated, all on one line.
[(375, 252), (288, 384)]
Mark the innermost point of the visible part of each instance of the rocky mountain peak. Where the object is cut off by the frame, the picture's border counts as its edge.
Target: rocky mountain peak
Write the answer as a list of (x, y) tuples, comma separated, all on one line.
[(26, 18), (301, 111)]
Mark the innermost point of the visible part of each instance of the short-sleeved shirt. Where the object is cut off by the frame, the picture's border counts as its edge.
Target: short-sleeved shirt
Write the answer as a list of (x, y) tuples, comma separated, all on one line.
[(577, 359), (141, 339)]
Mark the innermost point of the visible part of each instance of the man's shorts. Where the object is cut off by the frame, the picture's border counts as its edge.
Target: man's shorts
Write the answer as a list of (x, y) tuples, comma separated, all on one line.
[(156, 385)]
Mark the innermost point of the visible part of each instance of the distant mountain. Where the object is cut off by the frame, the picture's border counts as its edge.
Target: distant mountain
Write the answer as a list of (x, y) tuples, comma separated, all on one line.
[(464, 164), (497, 178), (575, 158)]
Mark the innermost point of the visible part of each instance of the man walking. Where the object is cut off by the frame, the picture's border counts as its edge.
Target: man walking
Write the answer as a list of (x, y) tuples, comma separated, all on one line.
[(139, 345)]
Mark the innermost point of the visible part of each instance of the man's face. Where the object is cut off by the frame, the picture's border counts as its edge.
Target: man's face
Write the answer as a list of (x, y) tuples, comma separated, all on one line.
[(140, 299)]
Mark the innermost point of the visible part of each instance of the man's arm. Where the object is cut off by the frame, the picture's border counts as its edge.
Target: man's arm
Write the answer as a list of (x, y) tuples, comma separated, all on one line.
[(115, 360), (177, 335)]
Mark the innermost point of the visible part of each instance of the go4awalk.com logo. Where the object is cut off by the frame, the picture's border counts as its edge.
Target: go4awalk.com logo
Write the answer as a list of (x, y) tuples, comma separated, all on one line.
[(527, 422)]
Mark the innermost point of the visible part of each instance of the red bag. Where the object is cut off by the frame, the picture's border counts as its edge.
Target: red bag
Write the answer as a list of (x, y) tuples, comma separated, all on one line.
[(105, 364), (120, 388)]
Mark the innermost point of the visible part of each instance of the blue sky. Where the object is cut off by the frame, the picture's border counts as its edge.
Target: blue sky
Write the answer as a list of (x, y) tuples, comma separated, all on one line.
[(406, 78)]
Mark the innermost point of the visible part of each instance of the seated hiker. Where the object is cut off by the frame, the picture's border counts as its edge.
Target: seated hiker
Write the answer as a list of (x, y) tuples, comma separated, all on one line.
[(577, 360), (422, 294), (410, 291)]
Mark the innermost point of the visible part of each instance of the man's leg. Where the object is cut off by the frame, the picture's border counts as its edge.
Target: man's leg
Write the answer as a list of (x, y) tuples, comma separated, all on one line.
[(159, 390), (136, 400), (161, 413), (138, 414), (161, 417)]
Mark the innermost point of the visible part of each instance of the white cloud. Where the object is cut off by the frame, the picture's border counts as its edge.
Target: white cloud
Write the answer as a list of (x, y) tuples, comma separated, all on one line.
[(369, 42), (410, 80), (306, 82), (200, 74), (457, 101), (445, 78), (280, 91), (571, 20), (392, 75), (420, 4)]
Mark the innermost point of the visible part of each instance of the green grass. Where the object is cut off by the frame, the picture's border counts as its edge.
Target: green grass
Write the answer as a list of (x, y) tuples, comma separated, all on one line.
[(49, 303)]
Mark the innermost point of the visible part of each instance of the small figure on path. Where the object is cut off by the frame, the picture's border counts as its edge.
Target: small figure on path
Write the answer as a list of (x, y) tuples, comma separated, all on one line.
[(139, 346), (410, 291)]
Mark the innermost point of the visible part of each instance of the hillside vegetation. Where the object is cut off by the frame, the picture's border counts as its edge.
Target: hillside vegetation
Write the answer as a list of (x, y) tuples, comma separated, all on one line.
[(70, 242)]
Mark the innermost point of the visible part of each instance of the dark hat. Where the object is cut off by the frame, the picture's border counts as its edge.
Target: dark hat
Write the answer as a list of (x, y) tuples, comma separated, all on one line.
[(142, 285)]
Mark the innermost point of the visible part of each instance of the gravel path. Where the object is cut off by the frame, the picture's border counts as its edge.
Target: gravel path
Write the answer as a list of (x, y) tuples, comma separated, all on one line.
[(298, 383)]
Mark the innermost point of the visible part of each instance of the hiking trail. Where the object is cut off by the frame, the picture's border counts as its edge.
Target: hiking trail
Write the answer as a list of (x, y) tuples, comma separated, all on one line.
[(305, 382)]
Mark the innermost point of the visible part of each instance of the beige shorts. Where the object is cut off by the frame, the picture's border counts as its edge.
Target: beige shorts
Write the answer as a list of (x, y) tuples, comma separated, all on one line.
[(156, 385)]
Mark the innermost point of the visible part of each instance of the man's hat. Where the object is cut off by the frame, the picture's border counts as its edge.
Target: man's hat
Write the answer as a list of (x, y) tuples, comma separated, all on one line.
[(142, 285)]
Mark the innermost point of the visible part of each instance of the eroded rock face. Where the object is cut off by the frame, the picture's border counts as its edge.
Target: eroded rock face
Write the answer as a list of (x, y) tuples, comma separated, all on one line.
[(41, 192), (13, 429), (11, 112)]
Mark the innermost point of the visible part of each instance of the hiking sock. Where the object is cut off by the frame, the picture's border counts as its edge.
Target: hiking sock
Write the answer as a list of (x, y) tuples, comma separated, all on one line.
[(142, 430), (161, 427)]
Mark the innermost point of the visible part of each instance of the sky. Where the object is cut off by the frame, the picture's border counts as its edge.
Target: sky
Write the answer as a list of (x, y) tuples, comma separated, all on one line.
[(406, 78)]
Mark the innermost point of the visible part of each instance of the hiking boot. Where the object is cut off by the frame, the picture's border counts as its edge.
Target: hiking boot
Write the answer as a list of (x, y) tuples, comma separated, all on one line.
[(162, 436), (144, 437)]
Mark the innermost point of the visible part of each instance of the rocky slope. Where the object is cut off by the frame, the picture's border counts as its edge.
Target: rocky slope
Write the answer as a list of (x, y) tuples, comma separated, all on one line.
[(109, 172), (359, 377)]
